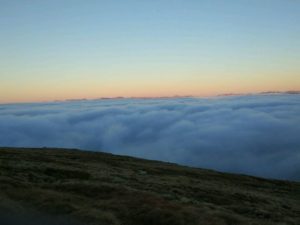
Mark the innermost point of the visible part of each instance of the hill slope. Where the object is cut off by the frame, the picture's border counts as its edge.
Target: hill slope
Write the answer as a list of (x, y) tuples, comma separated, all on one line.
[(57, 186)]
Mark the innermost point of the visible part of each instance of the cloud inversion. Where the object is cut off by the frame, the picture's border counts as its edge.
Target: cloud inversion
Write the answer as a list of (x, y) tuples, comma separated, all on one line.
[(256, 135)]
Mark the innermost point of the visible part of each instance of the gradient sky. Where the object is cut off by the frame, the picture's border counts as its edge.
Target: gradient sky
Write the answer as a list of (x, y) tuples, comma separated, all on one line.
[(87, 49)]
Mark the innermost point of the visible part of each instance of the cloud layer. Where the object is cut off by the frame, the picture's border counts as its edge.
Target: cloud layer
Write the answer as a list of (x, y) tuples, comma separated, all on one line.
[(256, 135)]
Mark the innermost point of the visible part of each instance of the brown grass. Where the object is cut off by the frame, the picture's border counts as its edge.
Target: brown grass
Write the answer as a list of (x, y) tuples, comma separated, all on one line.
[(59, 186)]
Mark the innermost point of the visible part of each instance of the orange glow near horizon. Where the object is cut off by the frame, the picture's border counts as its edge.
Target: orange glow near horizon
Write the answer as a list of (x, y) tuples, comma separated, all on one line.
[(93, 90)]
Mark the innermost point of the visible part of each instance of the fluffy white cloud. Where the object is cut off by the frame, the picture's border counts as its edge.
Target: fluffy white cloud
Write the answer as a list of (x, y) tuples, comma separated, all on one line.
[(257, 135)]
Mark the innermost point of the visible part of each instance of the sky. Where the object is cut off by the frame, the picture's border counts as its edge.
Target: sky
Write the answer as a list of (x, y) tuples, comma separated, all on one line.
[(255, 134), (54, 50)]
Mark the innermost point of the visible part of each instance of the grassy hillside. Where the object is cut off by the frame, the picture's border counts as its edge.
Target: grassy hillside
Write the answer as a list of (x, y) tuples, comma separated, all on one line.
[(57, 186)]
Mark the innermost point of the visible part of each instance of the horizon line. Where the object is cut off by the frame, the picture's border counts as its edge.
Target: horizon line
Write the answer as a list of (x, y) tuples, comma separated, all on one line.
[(228, 94)]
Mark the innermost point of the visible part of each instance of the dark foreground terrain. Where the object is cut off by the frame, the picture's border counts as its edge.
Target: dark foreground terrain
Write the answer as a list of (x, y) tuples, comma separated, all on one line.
[(58, 187)]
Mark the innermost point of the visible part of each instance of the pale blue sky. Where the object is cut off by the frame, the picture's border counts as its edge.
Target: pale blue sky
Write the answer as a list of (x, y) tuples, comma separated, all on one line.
[(52, 48)]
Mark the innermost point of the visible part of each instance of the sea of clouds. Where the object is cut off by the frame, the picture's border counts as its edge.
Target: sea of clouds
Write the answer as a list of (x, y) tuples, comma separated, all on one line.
[(256, 134)]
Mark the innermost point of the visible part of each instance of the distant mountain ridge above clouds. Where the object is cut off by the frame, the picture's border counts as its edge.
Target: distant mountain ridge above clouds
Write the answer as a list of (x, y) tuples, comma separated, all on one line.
[(187, 96), (280, 92), (292, 92), (121, 97)]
